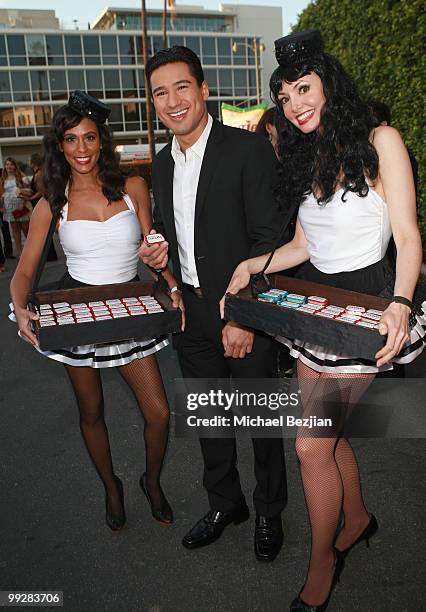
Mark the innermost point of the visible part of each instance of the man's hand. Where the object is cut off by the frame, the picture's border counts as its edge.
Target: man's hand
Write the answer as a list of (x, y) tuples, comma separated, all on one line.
[(154, 255), (177, 302), (237, 340)]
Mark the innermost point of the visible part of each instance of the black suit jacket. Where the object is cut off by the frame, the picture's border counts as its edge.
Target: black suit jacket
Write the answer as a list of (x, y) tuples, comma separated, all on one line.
[(236, 213)]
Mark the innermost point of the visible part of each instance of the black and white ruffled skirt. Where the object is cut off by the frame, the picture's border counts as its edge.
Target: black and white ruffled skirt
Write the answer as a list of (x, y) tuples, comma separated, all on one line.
[(109, 355), (377, 279)]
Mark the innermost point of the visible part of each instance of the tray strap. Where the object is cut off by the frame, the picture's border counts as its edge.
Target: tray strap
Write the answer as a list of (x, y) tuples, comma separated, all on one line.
[(42, 261), (259, 282)]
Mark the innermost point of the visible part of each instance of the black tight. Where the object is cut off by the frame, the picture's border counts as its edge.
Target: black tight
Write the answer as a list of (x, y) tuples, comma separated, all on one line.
[(329, 472), (144, 378)]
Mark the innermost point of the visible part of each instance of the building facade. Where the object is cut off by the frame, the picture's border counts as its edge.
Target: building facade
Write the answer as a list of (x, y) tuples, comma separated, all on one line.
[(39, 68)]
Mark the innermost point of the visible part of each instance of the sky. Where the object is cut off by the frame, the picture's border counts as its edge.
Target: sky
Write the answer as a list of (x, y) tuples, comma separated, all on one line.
[(86, 11)]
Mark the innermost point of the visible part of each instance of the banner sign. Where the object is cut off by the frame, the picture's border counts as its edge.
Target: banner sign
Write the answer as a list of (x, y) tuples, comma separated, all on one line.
[(244, 118)]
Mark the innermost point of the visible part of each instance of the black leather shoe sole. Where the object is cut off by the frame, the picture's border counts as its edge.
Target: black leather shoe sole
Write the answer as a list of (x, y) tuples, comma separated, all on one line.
[(237, 518)]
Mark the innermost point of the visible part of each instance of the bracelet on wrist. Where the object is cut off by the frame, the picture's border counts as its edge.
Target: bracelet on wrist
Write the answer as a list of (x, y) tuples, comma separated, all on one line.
[(399, 299), (173, 289)]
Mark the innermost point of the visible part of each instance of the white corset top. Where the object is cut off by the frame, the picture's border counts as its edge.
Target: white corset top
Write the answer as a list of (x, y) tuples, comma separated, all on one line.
[(102, 252), (345, 235)]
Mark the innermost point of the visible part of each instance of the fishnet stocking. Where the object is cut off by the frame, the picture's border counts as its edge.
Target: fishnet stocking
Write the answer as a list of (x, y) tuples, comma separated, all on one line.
[(329, 470), (144, 378), (87, 387)]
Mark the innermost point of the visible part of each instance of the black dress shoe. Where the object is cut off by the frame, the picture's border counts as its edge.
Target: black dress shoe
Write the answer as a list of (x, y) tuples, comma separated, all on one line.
[(210, 527), (298, 605), (116, 521), (163, 513), (268, 537)]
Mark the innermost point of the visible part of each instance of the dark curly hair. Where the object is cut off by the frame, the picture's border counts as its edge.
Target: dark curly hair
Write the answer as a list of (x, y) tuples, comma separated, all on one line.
[(57, 171), (339, 152)]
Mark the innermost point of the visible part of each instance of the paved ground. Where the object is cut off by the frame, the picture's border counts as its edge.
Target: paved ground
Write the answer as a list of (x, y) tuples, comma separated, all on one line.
[(53, 534)]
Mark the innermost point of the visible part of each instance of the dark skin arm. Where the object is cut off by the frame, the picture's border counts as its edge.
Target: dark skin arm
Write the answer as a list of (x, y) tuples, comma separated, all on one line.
[(21, 281)]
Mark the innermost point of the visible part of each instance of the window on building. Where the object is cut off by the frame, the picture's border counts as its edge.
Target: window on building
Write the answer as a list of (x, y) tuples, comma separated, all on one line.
[(131, 116), (3, 58), (225, 82), (7, 122), (156, 44), (42, 119), (24, 119), (5, 90), (176, 41), (36, 50), (55, 50), (250, 52), (141, 84), (193, 42), (92, 54), (240, 81), (58, 85), (112, 84), (239, 57), (16, 49), (76, 80), (39, 85), (94, 83), (209, 51), (210, 75), (129, 84), (224, 51), (127, 49), (73, 50), (20, 86), (252, 82), (115, 120), (109, 50)]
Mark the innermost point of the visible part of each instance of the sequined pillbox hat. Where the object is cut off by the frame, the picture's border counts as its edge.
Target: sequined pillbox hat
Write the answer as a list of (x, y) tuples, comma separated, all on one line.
[(87, 106), (298, 47)]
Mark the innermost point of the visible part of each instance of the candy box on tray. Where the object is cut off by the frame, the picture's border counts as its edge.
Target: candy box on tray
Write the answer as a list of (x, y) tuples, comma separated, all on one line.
[(339, 320), (103, 313)]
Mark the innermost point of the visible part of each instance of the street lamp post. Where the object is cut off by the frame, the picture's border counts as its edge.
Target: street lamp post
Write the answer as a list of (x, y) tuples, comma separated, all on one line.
[(257, 48)]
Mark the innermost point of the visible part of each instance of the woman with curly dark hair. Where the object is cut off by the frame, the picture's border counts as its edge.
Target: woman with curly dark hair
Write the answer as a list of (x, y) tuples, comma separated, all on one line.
[(353, 187), (101, 216)]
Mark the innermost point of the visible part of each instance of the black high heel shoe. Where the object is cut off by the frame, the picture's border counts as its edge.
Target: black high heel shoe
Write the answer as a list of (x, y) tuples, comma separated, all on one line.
[(115, 521), (298, 605), (368, 533), (164, 513)]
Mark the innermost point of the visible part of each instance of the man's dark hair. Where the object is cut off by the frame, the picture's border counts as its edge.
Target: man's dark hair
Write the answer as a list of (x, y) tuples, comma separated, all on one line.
[(380, 112), (173, 55)]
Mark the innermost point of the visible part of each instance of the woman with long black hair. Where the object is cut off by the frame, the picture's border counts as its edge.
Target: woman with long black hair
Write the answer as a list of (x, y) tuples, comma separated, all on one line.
[(353, 187), (101, 218)]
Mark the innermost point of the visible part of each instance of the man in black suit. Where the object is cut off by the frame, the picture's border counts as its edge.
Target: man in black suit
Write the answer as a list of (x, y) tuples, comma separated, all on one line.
[(214, 204)]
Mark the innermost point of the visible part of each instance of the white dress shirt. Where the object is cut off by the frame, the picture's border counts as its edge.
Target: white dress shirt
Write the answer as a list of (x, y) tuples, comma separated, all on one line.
[(185, 185)]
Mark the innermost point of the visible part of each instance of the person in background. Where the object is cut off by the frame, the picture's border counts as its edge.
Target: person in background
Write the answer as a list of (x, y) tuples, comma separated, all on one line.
[(381, 115), (37, 191), (16, 211), (267, 127)]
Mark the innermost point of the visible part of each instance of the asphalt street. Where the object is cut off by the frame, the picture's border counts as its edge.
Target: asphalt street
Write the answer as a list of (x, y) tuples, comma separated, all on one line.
[(54, 537)]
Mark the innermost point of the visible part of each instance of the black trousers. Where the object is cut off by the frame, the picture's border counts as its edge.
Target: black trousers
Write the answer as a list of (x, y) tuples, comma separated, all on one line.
[(201, 355), (8, 247)]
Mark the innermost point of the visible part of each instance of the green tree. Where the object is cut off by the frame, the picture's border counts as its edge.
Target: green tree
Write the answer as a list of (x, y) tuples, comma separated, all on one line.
[(381, 44)]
